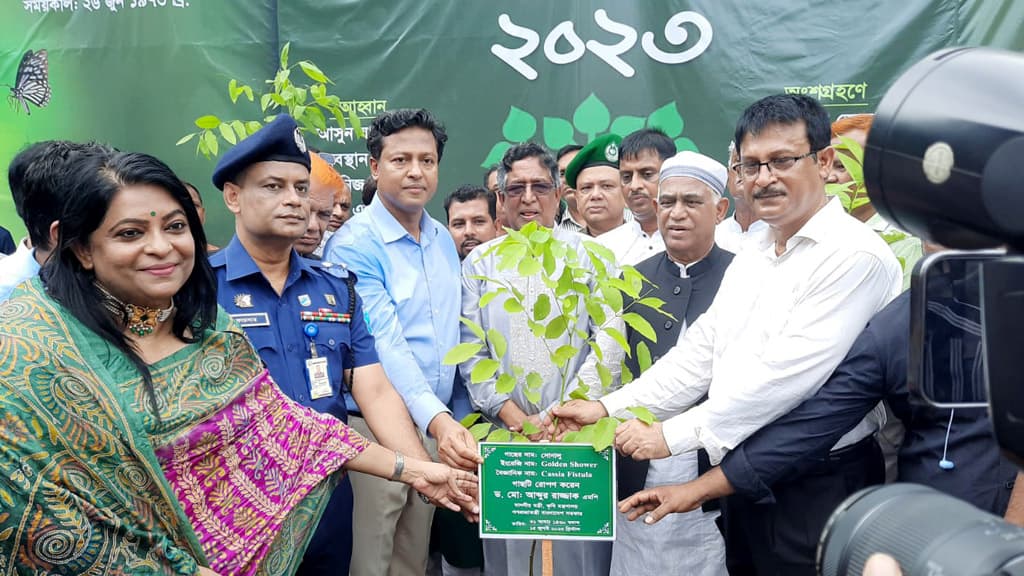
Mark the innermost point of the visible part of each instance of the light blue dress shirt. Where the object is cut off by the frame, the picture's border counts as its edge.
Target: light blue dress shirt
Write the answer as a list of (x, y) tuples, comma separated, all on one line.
[(411, 292), (17, 268)]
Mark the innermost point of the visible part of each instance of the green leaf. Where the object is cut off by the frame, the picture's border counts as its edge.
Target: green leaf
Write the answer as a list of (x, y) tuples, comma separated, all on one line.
[(499, 435), (519, 125), (488, 296), (248, 92), (591, 117), (612, 296), (540, 236), (532, 395), (534, 381), (484, 370), (210, 140), (626, 374), (315, 116), (284, 54), (494, 156), (228, 134), (643, 356), (549, 268), (318, 92), (184, 139), (265, 101), (599, 250), (668, 119), (596, 349), (208, 122), (626, 125), (313, 72), (505, 384), (604, 433), (577, 394), (638, 323), (252, 127), (470, 419), (542, 307), (619, 339), (239, 129), (685, 144), (651, 302), (479, 431), (513, 306), (557, 132), (529, 428), (596, 311), (233, 90), (605, 375), (643, 414), (563, 354), (338, 116), (498, 342), (357, 126), (475, 328), (556, 328), (529, 266), (462, 352)]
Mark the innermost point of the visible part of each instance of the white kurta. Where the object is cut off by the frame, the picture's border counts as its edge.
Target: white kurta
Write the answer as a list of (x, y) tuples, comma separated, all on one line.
[(630, 244)]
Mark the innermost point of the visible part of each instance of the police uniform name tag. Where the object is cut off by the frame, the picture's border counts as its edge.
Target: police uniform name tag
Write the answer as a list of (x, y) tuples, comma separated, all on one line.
[(252, 319), (319, 382)]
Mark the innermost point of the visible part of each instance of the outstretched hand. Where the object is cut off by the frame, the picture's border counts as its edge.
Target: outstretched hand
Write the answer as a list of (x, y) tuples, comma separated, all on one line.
[(574, 415), (454, 489), (661, 501), (641, 441)]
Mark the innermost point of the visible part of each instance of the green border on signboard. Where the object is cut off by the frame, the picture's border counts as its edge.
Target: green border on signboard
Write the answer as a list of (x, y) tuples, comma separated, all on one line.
[(547, 491)]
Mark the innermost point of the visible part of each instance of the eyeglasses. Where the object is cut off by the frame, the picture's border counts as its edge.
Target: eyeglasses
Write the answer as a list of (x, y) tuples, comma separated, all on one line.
[(538, 189), (775, 165)]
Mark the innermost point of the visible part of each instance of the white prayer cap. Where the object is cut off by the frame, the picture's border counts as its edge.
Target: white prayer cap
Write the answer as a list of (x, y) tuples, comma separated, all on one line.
[(697, 166)]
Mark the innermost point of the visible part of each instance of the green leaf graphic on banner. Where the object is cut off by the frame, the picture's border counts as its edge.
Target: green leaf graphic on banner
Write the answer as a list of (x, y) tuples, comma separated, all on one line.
[(494, 156), (519, 125), (686, 144), (557, 132), (668, 119), (626, 125), (591, 117)]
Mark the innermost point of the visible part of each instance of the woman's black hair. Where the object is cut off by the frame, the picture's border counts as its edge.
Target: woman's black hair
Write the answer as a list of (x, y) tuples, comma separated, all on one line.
[(94, 184)]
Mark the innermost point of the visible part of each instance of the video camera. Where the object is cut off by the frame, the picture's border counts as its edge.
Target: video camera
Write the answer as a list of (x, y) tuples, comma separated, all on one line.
[(942, 162)]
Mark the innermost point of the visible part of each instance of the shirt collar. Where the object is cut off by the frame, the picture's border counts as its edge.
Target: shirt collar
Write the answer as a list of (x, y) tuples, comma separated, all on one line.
[(239, 264), (392, 230), (816, 229)]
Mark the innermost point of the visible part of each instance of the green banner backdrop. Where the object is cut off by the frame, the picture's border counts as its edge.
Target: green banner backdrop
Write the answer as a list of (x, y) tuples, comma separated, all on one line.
[(137, 73)]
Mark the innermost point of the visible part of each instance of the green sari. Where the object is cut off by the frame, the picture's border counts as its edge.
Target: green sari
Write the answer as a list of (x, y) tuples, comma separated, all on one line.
[(232, 475)]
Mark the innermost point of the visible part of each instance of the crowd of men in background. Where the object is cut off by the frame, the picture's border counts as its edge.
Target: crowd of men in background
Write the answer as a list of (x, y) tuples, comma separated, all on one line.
[(778, 379)]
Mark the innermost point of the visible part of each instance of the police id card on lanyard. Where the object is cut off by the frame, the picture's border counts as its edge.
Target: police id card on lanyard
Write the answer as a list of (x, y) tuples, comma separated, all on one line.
[(316, 367)]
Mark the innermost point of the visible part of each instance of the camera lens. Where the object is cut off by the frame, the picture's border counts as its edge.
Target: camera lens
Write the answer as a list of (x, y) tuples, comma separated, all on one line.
[(926, 531)]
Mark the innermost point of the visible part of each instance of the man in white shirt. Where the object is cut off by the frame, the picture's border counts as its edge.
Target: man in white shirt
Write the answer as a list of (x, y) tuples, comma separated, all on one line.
[(40, 177), (528, 180), (733, 231), (572, 220), (640, 158), (786, 314)]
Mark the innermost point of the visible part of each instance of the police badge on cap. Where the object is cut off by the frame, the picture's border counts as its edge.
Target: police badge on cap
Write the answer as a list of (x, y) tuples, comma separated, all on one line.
[(278, 141)]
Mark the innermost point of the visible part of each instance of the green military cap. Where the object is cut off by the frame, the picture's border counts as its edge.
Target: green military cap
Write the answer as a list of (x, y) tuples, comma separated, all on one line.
[(602, 151)]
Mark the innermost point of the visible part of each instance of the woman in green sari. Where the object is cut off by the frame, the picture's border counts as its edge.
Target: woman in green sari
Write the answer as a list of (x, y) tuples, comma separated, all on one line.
[(139, 431)]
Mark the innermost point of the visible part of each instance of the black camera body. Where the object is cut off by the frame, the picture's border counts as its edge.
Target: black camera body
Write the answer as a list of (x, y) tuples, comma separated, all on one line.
[(942, 162)]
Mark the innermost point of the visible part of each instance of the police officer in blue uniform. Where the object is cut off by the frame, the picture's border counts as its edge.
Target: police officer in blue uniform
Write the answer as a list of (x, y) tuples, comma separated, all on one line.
[(302, 316)]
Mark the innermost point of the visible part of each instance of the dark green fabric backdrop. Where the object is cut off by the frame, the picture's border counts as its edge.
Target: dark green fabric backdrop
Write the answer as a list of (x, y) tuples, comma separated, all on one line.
[(137, 73)]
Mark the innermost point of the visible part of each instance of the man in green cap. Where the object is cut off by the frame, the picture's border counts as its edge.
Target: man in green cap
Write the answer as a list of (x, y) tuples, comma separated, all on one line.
[(594, 174)]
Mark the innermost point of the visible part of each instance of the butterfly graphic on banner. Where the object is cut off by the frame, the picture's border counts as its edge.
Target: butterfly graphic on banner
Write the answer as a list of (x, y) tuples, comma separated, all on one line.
[(32, 84)]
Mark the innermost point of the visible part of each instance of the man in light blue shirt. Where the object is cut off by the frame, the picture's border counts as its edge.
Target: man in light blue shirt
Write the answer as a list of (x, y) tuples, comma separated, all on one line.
[(409, 282), (40, 176)]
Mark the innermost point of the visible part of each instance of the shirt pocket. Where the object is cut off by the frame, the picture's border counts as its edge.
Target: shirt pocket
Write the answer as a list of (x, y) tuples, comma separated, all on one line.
[(334, 342)]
